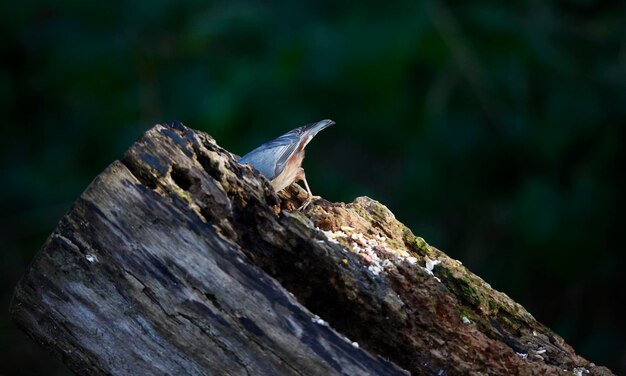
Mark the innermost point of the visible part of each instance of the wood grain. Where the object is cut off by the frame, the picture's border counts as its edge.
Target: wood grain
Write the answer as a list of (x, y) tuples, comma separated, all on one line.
[(178, 261)]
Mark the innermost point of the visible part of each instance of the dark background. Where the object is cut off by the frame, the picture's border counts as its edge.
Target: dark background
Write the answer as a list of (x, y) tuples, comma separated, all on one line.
[(494, 129)]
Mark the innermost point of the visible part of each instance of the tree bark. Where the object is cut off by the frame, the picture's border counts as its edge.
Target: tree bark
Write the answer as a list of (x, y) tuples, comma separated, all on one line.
[(177, 260)]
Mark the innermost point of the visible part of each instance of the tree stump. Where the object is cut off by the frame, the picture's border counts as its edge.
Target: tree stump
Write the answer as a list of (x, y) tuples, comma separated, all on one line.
[(177, 260)]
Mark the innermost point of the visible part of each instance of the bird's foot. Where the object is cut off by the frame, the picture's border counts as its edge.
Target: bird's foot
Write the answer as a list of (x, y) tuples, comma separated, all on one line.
[(308, 201)]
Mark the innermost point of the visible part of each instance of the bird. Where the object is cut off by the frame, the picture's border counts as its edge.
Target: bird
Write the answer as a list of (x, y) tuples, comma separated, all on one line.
[(280, 160)]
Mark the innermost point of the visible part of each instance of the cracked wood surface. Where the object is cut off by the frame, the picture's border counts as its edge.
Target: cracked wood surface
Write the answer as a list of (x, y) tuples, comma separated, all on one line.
[(177, 260)]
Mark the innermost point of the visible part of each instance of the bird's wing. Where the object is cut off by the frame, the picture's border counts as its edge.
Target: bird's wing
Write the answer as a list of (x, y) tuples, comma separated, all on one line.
[(271, 157)]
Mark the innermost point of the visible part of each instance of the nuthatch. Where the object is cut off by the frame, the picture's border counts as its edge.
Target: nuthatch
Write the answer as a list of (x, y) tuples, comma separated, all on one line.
[(280, 160)]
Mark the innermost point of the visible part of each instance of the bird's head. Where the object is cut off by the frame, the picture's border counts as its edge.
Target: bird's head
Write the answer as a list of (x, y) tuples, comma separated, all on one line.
[(309, 131)]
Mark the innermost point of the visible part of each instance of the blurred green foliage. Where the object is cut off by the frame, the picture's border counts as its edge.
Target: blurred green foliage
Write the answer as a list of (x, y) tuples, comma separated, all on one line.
[(493, 129)]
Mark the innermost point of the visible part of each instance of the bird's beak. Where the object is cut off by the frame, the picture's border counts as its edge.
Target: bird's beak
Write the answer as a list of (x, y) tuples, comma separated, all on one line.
[(312, 129)]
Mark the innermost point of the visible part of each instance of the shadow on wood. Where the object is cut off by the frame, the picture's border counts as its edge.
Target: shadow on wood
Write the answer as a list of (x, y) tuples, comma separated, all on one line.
[(177, 260)]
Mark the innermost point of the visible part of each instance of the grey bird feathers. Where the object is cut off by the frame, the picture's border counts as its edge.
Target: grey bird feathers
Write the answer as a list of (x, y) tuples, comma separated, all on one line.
[(280, 160)]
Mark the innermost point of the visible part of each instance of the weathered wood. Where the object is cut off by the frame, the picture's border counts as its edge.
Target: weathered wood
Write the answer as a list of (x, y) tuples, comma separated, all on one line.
[(177, 260)]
